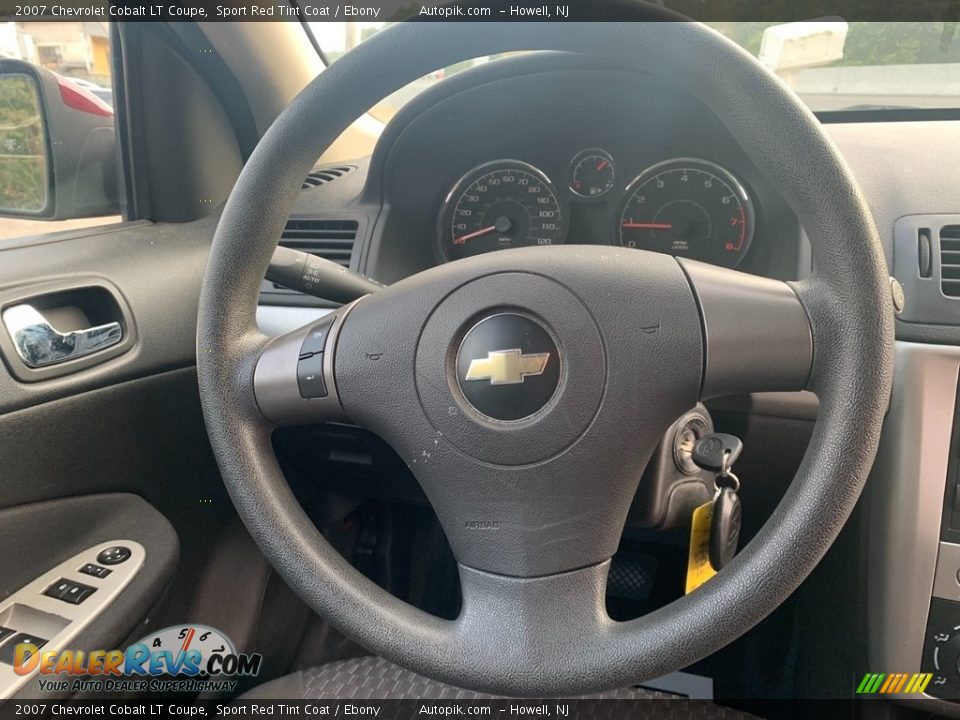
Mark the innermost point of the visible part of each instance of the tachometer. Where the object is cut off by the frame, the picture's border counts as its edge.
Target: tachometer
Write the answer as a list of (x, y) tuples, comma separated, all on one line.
[(498, 205), (690, 208)]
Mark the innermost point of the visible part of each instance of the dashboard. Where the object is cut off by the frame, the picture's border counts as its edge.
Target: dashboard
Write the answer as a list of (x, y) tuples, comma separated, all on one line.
[(552, 150)]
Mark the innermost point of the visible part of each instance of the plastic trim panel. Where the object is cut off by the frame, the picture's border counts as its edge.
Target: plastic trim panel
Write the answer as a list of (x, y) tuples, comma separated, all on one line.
[(71, 619), (906, 500)]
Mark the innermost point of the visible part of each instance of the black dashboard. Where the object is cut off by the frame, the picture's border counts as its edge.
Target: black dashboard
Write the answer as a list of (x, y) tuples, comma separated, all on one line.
[(551, 148)]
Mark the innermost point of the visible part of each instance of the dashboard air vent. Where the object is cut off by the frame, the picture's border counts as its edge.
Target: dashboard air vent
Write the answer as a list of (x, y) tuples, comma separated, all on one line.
[(950, 260), (330, 239), (323, 176)]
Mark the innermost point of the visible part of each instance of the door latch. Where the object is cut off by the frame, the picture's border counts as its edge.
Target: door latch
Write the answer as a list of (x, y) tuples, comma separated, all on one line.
[(39, 344)]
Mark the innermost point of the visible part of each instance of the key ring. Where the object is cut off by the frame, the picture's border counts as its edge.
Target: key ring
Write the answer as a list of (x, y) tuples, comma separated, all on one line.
[(730, 480)]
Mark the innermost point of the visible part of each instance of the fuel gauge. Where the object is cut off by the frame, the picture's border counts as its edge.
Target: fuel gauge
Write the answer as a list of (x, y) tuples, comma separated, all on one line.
[(592, 173)]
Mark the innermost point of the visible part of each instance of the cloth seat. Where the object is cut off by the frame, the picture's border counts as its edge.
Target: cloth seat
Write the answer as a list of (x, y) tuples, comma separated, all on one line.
[(373, 678)]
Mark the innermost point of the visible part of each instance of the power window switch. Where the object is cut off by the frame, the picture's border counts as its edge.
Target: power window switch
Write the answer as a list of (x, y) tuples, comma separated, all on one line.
[(69, 591), (9, 648), (5, 632), (77, 593), (57, 590), (95, 570)]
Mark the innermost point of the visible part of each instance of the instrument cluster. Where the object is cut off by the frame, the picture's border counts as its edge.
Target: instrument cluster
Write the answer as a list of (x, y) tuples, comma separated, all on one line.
[(683, 206)]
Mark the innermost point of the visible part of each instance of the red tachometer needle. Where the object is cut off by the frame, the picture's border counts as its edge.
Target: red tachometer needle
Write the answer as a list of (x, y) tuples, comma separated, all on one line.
[(475, 234), (601, 165), (648, 226)]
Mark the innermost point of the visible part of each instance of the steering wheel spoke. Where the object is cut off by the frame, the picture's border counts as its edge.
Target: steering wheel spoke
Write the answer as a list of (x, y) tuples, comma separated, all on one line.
[(294, 381), (757, 336)]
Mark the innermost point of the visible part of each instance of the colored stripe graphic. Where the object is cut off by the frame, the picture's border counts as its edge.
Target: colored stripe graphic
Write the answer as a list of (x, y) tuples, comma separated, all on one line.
[(899, 686), (923, 680), (893, 683), (871, 683)]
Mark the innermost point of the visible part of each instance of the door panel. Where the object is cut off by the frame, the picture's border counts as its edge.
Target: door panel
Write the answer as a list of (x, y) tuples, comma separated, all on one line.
[(46, 534), (117, 449), (131, 424), (157, 269)]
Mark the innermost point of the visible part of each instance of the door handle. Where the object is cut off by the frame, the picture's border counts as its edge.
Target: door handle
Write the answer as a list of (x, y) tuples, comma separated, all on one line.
[(39, 344)]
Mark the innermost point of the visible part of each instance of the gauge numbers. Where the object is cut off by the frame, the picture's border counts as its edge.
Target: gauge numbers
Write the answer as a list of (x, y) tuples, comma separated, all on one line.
[(499, 205), (689, 208)]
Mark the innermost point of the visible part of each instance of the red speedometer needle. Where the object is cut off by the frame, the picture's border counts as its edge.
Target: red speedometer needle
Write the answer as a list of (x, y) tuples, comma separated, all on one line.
[(648, 226), (601, 165), (475, 234)]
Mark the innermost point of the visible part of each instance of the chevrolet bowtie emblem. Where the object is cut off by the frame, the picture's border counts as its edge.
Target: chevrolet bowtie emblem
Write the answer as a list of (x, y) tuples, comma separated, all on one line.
[(507, 367)]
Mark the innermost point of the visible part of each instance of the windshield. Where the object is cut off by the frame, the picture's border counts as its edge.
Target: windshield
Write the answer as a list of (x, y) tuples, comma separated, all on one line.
[(832, 65)]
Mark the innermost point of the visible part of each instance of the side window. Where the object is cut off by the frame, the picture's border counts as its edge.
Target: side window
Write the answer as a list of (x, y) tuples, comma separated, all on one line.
[(58, 156)]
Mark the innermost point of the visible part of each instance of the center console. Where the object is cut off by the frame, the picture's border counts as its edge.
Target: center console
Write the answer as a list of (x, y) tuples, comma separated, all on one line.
[(913, 576)]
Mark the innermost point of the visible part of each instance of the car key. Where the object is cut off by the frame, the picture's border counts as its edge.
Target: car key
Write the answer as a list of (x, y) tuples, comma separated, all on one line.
[(725, 524), (716, 452)]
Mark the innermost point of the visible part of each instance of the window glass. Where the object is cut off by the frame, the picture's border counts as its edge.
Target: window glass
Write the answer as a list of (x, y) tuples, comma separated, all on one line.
[(832, 65), (79, 54)]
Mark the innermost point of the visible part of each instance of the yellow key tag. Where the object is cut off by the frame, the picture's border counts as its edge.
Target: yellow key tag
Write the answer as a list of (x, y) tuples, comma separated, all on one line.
[(699, 569)]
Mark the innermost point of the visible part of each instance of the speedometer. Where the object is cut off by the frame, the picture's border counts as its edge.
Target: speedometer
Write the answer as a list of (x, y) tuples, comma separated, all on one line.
[(498, 205), (690, 208)]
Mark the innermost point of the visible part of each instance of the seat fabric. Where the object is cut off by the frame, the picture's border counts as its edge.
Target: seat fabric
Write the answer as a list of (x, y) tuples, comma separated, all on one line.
[(373, 678)]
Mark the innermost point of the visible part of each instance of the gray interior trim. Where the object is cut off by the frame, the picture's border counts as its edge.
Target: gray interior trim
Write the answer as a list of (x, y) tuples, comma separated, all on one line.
[(85, 522), (30, 611), (906, 495), (276, 378)]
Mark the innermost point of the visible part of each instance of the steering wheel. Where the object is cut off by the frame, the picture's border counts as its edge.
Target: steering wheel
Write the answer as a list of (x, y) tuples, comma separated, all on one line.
[(527, 389)]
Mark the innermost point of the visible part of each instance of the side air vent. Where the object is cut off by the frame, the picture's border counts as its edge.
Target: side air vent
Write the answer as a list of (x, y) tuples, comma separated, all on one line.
[(950, 260), (330, 239), (926, 261), (323, 176)]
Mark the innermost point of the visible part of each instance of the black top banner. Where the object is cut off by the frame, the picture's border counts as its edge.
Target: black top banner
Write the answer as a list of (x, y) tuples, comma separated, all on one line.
[(479, 11)]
